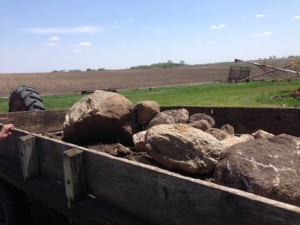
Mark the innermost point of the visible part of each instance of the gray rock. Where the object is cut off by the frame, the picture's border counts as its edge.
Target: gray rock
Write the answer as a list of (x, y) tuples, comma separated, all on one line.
[(146, 111), (159, 119), (228, 129), (169, 117), (200, 124), (181, 147), (269, 167), (202, 116), (179, 115), (217, 133), (104, 117), (262, 134)]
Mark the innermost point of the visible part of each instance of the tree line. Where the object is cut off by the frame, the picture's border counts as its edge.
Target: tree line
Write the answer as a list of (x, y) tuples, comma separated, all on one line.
[(168, 64)]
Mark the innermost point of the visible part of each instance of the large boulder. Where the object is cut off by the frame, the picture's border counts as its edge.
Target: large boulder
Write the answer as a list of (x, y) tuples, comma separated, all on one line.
[(268, 167), (104, 117), (146, 110), (181, 147)]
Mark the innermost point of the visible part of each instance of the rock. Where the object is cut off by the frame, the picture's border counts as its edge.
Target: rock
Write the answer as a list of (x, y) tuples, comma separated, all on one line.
[(117, 150), (139, 141), (144, 158), (262, 134), (146, 110), (228, 129), (179, 115), (200, 124), (181, 147), (269, 167), (233, 140), (104, 117), (217, 133), (202, 116), (160, 118), (169, 117)]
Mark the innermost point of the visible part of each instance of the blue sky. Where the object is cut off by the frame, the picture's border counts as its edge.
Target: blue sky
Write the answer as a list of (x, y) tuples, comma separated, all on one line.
[(44, 35)]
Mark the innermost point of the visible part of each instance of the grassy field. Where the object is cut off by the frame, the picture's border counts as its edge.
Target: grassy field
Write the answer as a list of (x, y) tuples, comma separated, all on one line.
[(253, 94)]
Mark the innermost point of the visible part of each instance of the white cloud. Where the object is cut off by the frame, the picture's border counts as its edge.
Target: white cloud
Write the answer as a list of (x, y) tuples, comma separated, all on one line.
[(73, 30), (266, 33), (84, 44), (296, 17), (123, 45), (213, 27), (54, 38), (199, 43), (260, 15)]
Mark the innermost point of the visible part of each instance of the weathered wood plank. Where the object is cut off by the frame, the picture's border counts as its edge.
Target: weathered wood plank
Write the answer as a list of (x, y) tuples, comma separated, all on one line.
[(51, 157), (75, 178), (29, 157), (162, 197), (36, 121)]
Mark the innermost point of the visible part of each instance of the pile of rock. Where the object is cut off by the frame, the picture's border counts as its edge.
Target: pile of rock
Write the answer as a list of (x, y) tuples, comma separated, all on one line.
[(260, 163)]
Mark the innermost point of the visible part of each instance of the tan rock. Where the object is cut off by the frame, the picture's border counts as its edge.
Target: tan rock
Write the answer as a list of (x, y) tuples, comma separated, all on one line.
[(217, 133), (181, 147), (102, 117), (262, 134), (146, 111), (139, 141)]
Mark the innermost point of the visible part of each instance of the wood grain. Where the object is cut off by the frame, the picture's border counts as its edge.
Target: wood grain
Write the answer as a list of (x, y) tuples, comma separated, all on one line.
[(29, 157), (75, 178)]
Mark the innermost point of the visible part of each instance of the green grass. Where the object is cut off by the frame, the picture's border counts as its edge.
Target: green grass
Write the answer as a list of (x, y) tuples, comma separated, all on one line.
[(61, 101), (253, 94), (50, 102)]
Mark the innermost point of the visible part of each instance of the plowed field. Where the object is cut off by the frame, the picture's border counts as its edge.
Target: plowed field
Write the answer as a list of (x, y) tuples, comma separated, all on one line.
[(70, 82)]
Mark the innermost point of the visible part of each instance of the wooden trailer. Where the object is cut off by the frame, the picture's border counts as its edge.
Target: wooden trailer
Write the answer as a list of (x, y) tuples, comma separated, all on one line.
[(92, 188)]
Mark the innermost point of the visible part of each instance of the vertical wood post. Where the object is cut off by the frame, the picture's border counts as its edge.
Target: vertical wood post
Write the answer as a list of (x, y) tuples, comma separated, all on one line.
[(75, 176), (29, 157)]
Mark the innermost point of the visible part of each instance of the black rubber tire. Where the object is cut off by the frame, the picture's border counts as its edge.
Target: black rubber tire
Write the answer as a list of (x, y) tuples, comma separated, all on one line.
[(24, 98), (14, 209)]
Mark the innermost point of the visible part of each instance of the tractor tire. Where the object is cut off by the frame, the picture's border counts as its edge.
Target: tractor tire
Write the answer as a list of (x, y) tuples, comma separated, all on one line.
[(14, 209), (24, 98)]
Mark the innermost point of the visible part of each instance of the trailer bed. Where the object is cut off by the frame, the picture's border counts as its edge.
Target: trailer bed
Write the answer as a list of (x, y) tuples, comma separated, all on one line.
[(92, 187)]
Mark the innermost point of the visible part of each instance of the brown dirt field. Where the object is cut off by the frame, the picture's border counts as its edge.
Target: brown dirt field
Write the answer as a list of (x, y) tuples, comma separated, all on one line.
[(70, 82), (63, 83)]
